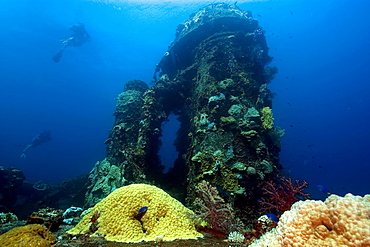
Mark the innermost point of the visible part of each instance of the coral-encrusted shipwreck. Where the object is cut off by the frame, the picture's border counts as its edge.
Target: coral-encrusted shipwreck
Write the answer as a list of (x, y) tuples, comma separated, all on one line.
[(214, 77)]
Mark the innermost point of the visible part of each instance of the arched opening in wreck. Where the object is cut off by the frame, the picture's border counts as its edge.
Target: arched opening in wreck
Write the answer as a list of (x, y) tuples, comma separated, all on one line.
[(169, 174), (167, 152)]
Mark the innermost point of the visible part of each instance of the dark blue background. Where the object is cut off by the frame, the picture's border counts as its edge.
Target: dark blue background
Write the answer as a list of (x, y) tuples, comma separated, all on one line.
[(320, 47)]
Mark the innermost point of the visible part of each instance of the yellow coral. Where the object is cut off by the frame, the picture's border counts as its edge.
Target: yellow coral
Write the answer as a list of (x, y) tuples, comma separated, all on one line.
[(29, 235), (267, 119), (116, 213), (339, 221)]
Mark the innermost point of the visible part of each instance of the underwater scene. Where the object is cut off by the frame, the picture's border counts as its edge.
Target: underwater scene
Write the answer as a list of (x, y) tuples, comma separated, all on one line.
[(184, 123)]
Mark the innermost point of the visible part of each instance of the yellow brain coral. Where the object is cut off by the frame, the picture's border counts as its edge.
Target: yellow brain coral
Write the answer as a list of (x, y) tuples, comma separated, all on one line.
[(29, 235), (117, 216), (339, 221)]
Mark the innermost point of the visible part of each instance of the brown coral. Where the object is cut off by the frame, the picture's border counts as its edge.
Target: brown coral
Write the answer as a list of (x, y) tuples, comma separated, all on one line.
[(30, 235), (50, 217)]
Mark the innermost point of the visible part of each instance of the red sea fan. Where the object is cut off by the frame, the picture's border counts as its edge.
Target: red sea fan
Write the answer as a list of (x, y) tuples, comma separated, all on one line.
[(280, 197)]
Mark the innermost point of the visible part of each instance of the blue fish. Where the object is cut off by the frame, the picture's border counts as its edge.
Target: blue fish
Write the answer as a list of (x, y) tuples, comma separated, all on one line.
[(323, 189), (273, 217), (140, 213), (142, 210)]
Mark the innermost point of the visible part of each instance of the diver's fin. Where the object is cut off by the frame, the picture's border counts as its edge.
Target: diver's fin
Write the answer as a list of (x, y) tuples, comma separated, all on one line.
[(58, 56)]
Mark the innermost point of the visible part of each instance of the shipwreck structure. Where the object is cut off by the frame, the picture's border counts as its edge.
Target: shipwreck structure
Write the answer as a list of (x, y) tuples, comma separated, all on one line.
[(214, 78)]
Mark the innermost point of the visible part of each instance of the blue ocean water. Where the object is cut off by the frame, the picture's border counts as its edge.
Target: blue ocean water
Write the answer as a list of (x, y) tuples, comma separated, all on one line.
[(321, 49)]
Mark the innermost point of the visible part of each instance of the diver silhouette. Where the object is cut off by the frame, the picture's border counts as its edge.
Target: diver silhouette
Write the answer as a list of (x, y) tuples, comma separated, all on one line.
[(41, 138), (78, 37)]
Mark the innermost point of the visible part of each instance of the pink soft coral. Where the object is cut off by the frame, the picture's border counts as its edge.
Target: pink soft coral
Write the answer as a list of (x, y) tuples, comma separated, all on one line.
[(280, 197)]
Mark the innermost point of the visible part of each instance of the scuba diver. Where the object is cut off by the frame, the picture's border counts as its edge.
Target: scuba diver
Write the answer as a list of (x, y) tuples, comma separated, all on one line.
[(41, 138), (78, 37)]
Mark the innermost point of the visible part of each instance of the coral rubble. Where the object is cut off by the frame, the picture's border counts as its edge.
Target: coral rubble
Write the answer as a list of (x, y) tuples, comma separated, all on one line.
[(7, 217), (50, 217)]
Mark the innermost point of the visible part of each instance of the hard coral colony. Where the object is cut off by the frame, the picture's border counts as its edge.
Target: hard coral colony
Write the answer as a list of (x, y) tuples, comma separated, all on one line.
[(165, 216), (339, 221)]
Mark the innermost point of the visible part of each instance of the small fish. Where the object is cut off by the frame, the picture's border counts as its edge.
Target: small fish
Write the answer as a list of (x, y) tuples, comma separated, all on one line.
[(142, 210), (140, 213), (300, 197), (323, 189), (273, 217)]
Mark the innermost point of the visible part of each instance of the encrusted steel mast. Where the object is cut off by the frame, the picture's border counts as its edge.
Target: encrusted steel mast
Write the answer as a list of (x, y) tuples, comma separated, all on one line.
[(214, 76)]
